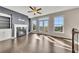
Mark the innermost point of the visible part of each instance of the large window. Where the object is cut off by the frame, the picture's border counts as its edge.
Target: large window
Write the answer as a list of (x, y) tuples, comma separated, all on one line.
[(59, 24), (34, 25), (43, 25), (46, 25)]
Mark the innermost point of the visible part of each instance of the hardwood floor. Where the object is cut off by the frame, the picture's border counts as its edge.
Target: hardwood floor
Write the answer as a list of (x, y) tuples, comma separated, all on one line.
[(35, 44)]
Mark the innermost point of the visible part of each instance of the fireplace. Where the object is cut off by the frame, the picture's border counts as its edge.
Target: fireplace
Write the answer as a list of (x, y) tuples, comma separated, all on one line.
[(20, 30)]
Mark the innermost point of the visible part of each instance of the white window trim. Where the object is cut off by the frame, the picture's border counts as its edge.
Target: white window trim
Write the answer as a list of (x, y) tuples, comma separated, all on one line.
[(54, 26)]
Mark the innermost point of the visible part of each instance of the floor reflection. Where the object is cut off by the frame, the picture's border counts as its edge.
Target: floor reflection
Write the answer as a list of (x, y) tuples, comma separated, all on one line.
[(34, 44)]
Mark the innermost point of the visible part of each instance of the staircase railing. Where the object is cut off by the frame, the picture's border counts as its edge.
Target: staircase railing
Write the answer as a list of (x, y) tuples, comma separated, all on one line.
[(75, 34)]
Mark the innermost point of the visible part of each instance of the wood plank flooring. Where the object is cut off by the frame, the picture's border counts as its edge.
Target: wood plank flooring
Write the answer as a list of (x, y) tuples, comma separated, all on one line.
[(35, 44)]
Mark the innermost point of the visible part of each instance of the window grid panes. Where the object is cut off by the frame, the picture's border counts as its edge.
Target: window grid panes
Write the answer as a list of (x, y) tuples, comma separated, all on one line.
[(43, 25), (59, 24), (46, 25)]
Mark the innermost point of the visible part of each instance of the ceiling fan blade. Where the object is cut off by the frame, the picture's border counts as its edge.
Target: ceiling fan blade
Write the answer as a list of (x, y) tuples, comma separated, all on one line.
[(39, 9), (29, 11), (39, 12), (31, 8)]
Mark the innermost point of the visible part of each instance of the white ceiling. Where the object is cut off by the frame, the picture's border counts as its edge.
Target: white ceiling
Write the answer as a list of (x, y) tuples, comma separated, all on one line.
[(45, 9)]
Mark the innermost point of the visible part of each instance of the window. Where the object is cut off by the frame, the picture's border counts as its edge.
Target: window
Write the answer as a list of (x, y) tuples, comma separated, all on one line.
[(59, 24), (46, 25), (34, 25), (43, 24)]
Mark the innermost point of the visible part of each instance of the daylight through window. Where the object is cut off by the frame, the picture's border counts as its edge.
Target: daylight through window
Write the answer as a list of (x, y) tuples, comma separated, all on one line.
[(59, 24)]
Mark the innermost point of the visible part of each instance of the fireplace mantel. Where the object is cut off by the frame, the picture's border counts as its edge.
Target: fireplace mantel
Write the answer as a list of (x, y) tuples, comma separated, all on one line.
[(19, 25)]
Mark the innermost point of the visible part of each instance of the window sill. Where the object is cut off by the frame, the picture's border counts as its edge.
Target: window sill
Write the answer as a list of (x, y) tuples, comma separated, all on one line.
[(58, 32)]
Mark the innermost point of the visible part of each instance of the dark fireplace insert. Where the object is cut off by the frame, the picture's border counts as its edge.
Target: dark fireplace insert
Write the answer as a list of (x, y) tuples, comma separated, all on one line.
[(21, 31)]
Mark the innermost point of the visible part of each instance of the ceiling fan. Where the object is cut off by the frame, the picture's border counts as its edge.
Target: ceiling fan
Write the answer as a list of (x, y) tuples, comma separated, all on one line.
[(35, 10)]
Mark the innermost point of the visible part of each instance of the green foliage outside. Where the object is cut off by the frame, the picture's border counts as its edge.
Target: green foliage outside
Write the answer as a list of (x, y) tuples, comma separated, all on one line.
[(59, 29)]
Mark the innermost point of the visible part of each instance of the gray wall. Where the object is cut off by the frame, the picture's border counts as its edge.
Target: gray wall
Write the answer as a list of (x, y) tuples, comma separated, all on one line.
[(15, 16), (71, 20)]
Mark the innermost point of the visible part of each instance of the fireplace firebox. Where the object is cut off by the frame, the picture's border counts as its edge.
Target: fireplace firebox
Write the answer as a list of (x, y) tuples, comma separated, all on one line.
[(21, 31)]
